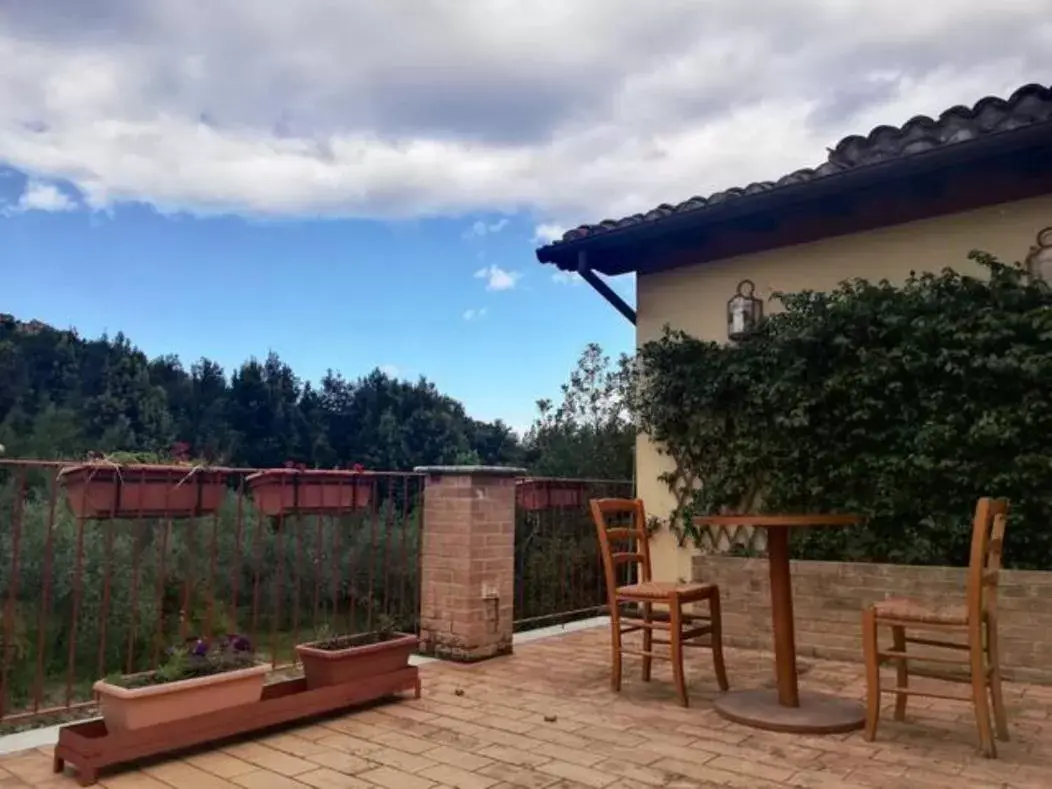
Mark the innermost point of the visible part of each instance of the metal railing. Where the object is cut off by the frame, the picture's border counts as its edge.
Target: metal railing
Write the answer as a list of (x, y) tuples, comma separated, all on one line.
[(101, 580), (85, 596), (558, 569)]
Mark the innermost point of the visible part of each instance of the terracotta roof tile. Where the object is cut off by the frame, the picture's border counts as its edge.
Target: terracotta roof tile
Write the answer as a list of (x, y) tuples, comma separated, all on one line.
[(1029, 105)]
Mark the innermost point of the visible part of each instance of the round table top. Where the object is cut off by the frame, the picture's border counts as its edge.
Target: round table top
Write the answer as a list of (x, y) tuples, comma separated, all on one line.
[(776, 521)]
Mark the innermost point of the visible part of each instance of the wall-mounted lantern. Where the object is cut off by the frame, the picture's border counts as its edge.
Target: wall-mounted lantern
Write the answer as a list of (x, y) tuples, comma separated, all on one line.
[(1039, 261), (744, 311)]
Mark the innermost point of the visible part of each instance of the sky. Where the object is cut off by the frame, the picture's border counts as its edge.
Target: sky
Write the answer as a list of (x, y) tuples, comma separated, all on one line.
[(362, 183)]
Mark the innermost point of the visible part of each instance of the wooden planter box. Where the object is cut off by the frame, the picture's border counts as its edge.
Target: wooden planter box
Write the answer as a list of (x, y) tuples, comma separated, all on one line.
[(355, 662), (542, 494), (126, 709), (90, 746), (98, 490), (286, 491)]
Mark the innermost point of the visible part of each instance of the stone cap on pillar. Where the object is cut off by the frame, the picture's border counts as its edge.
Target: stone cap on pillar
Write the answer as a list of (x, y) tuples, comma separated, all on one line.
[(471, 471)]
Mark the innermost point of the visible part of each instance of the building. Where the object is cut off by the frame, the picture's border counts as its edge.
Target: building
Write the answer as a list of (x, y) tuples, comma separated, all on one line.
[(917, 196)]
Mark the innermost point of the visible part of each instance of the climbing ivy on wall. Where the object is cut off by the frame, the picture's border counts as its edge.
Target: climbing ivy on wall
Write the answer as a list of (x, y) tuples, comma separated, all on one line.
[(902, 403)]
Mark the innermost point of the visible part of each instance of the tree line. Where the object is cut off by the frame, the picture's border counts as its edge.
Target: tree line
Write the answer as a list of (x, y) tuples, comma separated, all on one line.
[(63, 396)]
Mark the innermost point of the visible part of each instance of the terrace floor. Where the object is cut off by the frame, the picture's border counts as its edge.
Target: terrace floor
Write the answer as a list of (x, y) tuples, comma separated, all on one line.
[(545, 718)]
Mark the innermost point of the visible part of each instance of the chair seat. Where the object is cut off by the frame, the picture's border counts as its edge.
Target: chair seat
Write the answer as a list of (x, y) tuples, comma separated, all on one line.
[(661, 590), (908, 610)]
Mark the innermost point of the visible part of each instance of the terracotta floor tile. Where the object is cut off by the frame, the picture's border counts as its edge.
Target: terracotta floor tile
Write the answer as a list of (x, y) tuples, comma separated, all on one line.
[(447, 775), (292, 744), (515, 756), (125, 780), (588, 776), (32, 767), (390, 778), (181, 775), (584, 756), (341, 761), (512, 775), (458, 758), (331, 779), (406, 762), (403, 742), (220, 764), (264, 779), (345, 742), (637, 773), (545, 718), (275, 761)]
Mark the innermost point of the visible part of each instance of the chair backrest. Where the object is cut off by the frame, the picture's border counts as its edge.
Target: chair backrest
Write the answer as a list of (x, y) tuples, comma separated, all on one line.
[(620, 525), (984, 566)]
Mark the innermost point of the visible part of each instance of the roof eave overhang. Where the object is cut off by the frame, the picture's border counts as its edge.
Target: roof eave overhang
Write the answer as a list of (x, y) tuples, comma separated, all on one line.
[(609, 252)]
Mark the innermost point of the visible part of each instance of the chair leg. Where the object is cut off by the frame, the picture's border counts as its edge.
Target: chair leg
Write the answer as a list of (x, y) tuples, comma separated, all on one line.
[(872, 662), (675, 637), (648, 640), (902, 673), (980, 699), (615, 648), (993, 649), (716, 614)]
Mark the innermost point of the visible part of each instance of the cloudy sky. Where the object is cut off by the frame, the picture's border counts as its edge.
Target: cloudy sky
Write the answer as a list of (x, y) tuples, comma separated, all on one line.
[(362, 182)]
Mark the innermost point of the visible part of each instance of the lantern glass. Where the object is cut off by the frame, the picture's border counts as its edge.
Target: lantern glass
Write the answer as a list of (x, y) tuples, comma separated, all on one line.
[(1039, 261), (744, 311)]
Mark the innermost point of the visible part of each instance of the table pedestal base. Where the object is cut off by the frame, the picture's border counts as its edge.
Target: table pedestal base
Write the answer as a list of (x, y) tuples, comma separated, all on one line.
[(817, 713)]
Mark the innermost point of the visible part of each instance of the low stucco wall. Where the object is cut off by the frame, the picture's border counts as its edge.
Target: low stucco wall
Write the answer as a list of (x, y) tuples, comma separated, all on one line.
[(694, 299)]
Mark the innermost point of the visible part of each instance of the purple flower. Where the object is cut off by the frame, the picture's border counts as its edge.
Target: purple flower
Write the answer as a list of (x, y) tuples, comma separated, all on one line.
[(241, 644), (200, 648)]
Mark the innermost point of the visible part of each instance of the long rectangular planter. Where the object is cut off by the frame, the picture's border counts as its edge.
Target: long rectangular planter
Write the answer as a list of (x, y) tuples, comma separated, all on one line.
[(90, 746), (138, 708), (534, 495), (356, 663), (97, 490), (285, 491)]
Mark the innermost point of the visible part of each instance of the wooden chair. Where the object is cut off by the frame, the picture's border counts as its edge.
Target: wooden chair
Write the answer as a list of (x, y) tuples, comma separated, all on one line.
[(642, 592), (976, 618)]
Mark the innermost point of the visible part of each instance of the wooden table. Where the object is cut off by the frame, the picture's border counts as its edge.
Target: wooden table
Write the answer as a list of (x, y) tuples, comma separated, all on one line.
[(786, 710)]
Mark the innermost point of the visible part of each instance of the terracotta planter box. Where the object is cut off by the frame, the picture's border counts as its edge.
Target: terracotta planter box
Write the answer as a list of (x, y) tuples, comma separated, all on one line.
[(285, 491), (355, 663), (91, 746), (534, 494), (96, 490), (126, 709)]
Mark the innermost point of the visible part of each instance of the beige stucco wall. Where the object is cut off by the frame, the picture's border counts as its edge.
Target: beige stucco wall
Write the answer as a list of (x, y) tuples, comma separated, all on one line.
[(694, 299)]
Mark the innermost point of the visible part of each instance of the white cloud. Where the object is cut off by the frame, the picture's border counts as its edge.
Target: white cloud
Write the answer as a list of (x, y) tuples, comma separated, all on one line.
[(479, 228), (40, 196), (497, 278), (475, 314), (359, 110), (548, 232), (390, 370), (567, 278)]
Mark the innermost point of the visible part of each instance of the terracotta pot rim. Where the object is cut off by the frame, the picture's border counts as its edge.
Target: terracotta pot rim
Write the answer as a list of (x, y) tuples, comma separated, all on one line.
[(397, 641), (105, 688), (113, 468), (552, 483), (314, 474)]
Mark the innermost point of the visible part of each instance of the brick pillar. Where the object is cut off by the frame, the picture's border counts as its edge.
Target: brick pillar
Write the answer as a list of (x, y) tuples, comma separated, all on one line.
[(467, 561)]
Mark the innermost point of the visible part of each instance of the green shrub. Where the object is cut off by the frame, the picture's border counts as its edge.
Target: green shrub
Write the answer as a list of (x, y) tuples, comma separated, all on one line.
[(902, 403)]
